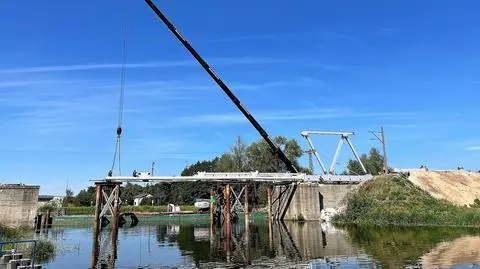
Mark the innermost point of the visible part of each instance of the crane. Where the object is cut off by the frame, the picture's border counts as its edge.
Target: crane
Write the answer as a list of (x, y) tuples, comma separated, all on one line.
[(275, 148)]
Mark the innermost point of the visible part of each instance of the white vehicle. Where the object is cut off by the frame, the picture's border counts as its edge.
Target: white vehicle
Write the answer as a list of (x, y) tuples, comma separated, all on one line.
[(141, 174), (202, 204)]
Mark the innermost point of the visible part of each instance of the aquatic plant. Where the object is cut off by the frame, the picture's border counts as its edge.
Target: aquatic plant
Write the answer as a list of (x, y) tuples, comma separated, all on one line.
[(44, 251)]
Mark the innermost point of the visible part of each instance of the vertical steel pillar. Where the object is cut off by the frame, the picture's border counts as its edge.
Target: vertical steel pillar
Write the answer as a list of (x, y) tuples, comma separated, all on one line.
[(96, 225)]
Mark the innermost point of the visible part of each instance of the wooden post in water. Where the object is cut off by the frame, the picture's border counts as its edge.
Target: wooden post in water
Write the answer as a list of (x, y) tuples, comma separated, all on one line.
[(211, 210), (247, 226), (247, 215), (96, 225), (270, 228), (115, 219), (269, 207), (44, 221), (48, 220), (227, 206), (227, 223)]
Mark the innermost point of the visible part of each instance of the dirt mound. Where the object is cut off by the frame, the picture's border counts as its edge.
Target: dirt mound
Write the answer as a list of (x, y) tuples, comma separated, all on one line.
[(458, 187)]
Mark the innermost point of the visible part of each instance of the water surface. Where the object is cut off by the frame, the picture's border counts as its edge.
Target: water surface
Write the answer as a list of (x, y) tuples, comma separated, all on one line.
[(283, 245)]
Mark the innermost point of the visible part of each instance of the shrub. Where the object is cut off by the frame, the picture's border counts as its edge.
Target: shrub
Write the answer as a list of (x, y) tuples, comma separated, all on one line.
[(44, 251)]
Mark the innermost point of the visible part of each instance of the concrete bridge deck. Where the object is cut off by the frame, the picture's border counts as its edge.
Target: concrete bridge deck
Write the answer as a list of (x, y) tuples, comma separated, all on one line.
[(230, 178)]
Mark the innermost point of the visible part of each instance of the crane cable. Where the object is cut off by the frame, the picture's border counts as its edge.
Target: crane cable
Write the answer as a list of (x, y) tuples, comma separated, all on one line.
[(116, 155)]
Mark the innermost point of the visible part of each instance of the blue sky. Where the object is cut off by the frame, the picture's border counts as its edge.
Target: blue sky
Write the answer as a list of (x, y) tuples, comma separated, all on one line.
[(411, 66)]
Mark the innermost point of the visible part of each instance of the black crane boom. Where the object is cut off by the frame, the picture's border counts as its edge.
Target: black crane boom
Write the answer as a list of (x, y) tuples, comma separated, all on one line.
[(276, 150)]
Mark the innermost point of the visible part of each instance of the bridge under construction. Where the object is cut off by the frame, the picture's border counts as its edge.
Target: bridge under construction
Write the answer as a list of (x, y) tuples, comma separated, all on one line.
[(291, 195)]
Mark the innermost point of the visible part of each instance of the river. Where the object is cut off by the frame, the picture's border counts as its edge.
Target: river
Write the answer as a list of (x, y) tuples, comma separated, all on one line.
[(287, 245)]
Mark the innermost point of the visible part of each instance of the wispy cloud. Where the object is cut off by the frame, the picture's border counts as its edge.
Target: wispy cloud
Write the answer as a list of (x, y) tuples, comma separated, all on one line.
[(164, 86), (274, 116), (275, 36), (29, 83), (473, 148), (157, 64)]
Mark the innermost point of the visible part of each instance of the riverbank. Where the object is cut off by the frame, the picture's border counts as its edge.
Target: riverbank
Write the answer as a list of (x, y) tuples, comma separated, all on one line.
[(160, 209), (177, 218), (394, 200)]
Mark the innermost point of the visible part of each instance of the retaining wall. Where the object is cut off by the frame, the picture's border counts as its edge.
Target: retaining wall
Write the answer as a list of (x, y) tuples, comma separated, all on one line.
[(310, 198), (18, 205)]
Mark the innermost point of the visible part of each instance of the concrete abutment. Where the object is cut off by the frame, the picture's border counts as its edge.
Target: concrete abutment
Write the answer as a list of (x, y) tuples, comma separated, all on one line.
[(310, 198)]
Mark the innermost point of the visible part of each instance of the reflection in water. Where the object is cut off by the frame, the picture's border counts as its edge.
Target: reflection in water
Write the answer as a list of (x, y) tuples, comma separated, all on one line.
[(396, 247), (290, 245), (463, 250)]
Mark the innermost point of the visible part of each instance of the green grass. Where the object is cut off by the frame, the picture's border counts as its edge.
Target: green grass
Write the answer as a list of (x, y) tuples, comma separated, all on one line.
[(393, 200), (44, 251), (186, 219), (90, 210), (7, 233)]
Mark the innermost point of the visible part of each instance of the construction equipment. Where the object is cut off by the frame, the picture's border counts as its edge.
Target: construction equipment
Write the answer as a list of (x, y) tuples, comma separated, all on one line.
[(275, 149)]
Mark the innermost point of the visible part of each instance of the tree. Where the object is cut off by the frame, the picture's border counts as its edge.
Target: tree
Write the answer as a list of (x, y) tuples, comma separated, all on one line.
[(68, 197), (200, 166), (239, 156), (262, 159), (85, 198), (373, 163), (129, 191)]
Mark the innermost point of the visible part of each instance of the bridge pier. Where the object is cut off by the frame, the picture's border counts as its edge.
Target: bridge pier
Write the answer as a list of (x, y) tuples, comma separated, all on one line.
[(307, 200), (107, 200)]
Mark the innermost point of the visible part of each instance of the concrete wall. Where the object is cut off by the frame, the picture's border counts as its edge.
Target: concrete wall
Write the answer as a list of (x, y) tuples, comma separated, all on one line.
[(305, 203), (311, 198), (333, 194), (18, 205)]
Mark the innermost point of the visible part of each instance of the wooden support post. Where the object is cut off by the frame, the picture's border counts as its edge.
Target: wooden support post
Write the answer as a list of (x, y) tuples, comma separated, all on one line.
[(227, 205), (227, 223), (211, 210), (247, 225), (115, 219), (270, 228), (49, 224), (96, 226), (44, 221), (269, 199), (247, 215)]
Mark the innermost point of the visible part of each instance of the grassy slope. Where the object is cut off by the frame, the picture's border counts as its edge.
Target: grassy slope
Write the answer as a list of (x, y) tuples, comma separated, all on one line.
[(395, 200)]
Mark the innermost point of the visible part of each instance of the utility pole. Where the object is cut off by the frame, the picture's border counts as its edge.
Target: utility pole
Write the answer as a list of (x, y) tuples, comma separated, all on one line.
[(310, 160), (382, 141), (153, 169)]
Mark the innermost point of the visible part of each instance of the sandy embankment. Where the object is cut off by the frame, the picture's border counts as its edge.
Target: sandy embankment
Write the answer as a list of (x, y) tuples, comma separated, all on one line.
[(458, 187)]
